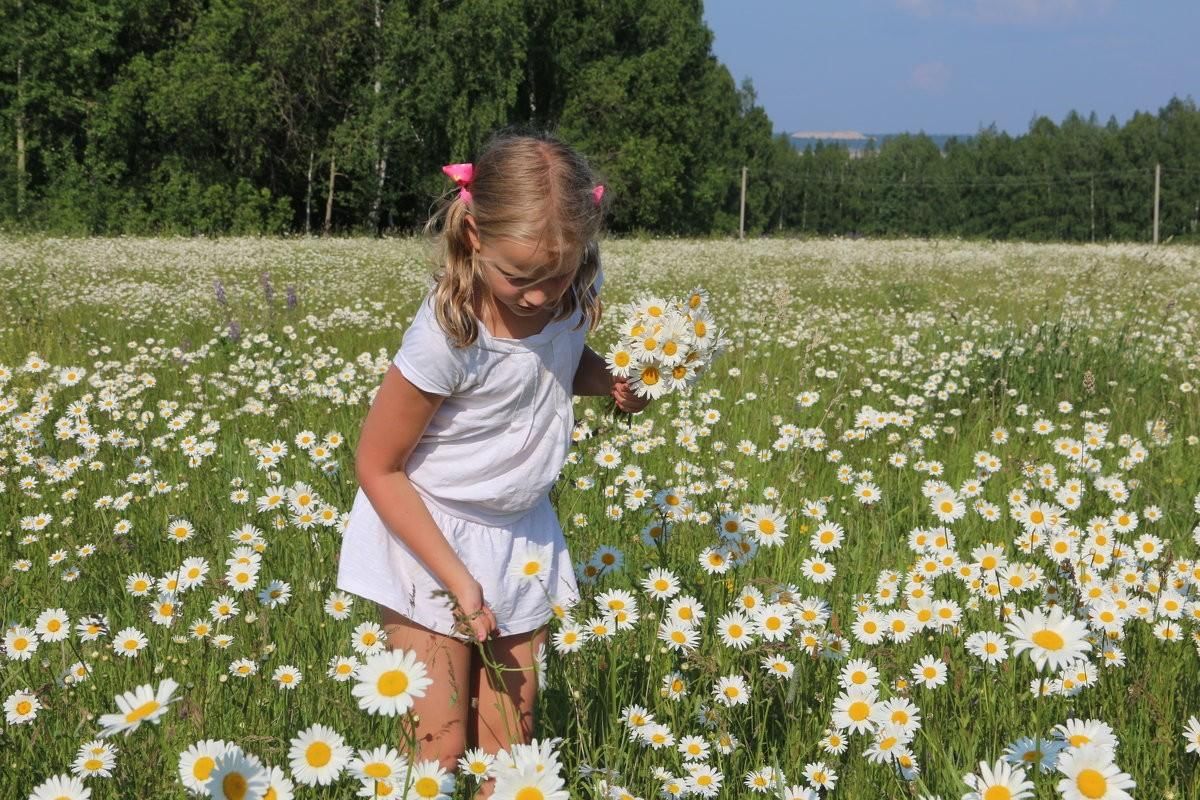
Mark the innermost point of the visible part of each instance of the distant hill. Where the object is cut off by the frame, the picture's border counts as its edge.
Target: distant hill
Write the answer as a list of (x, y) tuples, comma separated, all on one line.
[(857, 142)]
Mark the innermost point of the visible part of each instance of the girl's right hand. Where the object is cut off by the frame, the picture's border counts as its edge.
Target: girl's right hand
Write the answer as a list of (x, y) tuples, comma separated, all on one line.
[(473, 615)]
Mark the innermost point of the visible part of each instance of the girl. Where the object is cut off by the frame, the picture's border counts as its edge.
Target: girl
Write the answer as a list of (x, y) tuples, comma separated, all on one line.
[(452, 533)]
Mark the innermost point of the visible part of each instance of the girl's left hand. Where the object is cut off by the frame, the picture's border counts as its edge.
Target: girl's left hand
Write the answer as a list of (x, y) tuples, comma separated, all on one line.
[(626, 399)]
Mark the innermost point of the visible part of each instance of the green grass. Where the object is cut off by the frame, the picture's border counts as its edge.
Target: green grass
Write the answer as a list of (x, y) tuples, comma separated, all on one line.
[(1112, 330)]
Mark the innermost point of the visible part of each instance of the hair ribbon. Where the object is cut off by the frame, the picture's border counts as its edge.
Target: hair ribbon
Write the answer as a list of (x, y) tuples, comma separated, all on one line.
[(461, 174)]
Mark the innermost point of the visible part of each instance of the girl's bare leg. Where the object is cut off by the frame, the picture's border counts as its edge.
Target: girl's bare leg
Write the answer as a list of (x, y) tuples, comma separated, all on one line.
[(505, 711), (442, 726)]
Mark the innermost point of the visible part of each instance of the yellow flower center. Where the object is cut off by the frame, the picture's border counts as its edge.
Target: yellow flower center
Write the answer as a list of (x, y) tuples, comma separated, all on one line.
[(997, 793), (378, 770), (1091, 783), (392, 683), (234, 786), (203, 767), (1048, 640), (427, 787), (318, 754), (142, 711), (859, 710)]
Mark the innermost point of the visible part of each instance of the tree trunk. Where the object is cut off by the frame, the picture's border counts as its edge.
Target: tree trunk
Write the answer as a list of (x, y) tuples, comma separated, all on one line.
[(312, 155), (380, 177), (20, 126), (380, 147), (329, 197)]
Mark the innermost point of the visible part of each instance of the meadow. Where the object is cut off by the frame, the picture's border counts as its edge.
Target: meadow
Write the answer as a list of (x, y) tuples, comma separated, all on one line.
[(937, 504)]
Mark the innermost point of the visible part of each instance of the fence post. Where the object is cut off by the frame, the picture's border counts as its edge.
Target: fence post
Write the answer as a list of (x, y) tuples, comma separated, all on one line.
[(1157, 180)]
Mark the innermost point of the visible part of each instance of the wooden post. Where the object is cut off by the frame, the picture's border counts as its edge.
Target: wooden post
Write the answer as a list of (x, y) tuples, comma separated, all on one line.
[(1157, 180), (742, 221), (329, 199)]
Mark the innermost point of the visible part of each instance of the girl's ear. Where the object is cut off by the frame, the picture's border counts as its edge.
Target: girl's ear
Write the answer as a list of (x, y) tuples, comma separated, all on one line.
[(472, 232)]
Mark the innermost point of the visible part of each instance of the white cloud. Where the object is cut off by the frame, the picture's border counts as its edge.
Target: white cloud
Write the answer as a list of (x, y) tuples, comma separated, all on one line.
[(931, 77)]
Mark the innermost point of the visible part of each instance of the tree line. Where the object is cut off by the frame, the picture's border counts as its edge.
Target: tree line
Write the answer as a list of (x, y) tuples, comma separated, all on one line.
[(290, 116)]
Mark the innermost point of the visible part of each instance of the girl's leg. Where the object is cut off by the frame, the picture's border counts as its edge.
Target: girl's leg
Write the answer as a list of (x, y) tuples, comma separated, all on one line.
[(505, 711), (442, 726)]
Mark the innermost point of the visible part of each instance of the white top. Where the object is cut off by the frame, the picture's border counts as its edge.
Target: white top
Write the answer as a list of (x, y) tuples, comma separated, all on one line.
[(496, 444)]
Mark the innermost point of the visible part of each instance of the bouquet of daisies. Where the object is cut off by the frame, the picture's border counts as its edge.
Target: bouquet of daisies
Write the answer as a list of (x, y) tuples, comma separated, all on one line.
[(665, 344)]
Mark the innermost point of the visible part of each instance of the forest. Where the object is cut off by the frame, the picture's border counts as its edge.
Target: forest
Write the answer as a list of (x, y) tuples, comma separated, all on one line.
[(334, 116)]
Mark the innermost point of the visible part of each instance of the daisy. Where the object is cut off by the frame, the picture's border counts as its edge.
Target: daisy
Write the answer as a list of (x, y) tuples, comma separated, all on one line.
[(381, 764), (1030, 751), (338, 605), (21, 707), (900, 711), (673, 686), (20, 643), (367, 638), (820, 776), (243, 668), (827, 537), (61, 787), (238, 776), (530, 563), (569, 638), (731, 690), (477, 763), (771, 621), (867, 493), (1191, 734), (427, 780), (1000, 780), (95, 759), (678, 636), (854, 709), (778, 666), (869, 628), (389, 682), (1053, 639), (318, 755), (987, 646), (734, 629), (859, 672), (141, 705), (287, 677), (52, 625), (196, 764), (686, 610), (180, 530), (766, 524), (1078, 732), (1092, 775), (530, 783), (704, 780), (930, 671), (342, 668)]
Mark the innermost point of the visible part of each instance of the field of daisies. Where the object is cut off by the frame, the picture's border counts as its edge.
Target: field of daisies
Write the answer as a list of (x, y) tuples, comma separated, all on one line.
[(928, 528)]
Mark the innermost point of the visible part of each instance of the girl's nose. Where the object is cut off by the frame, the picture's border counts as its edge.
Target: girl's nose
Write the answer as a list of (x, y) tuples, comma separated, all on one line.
[(535, 297)]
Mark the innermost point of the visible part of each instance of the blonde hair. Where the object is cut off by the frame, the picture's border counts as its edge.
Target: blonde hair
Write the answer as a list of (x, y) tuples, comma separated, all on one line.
[(528, 188)]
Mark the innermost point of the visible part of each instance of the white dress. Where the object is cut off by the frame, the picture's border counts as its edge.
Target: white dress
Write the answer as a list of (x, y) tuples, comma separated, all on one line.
[(484, 467)]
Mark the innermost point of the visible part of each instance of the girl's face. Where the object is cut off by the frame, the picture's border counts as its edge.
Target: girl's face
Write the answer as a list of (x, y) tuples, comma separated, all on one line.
[(521, 277)]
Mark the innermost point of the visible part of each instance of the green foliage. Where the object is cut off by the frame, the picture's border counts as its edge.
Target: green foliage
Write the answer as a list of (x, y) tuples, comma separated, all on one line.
[(269, 115)]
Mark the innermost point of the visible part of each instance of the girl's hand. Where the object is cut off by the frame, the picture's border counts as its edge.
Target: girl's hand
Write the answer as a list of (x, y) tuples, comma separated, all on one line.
[(473, 616), (625, 397)]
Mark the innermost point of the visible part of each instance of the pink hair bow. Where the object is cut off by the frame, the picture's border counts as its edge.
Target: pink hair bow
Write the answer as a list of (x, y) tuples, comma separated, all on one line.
[(598, 193), (462, 174)]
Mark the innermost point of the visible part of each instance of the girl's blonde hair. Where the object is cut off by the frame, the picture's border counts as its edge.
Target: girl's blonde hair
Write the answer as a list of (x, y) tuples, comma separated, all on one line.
[(528, 188)]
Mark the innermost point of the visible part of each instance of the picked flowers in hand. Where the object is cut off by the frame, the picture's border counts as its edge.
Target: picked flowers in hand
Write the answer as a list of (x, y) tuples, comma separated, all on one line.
[(665, 344)]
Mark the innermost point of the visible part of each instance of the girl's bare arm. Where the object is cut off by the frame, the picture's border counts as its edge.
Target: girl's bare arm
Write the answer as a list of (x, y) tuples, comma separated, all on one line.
[(398, 417)]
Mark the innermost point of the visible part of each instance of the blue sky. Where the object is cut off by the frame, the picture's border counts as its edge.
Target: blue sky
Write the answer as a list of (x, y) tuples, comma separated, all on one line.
[(950, 66)]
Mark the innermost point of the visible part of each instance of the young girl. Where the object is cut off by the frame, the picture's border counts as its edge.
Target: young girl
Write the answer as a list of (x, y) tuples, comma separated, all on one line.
[(467, 434)]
